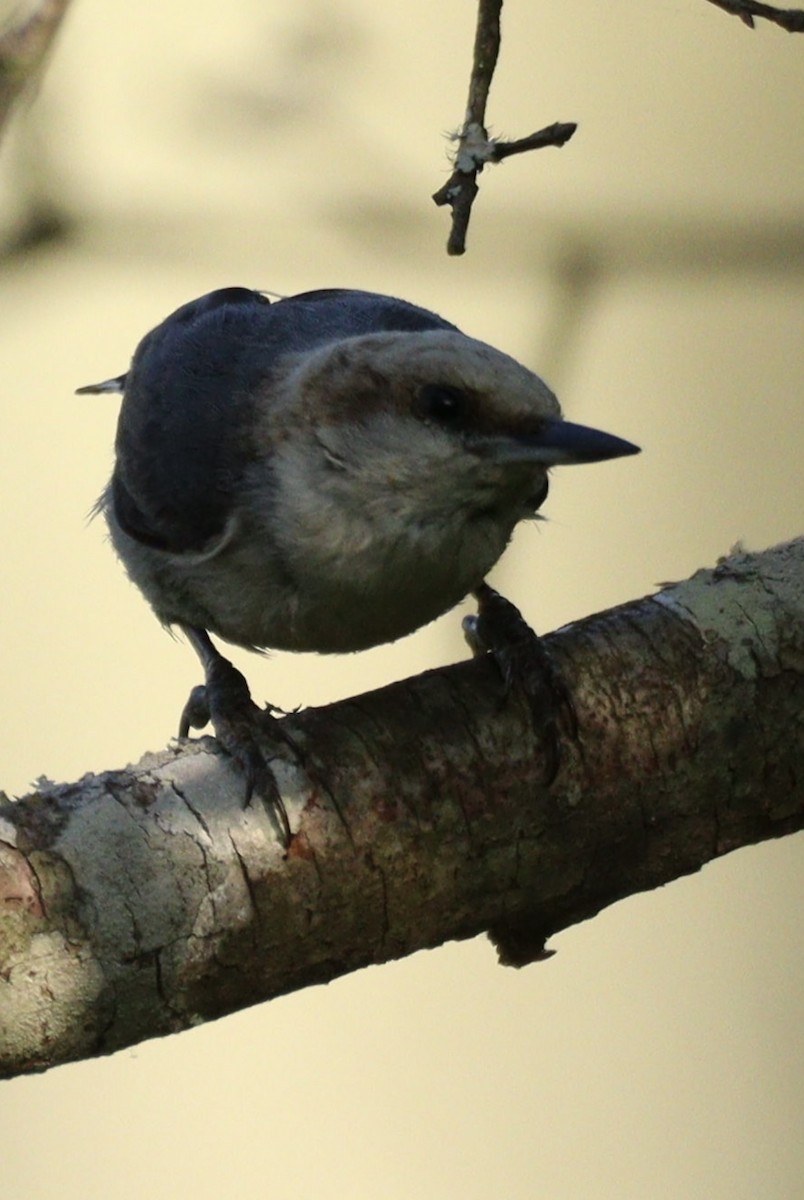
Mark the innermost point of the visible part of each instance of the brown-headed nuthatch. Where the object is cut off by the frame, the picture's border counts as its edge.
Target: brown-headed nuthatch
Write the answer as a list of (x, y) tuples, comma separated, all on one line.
[(327, 472)]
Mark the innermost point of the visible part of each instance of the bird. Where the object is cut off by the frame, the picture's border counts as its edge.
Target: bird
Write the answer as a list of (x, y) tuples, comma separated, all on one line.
[(325, 472)]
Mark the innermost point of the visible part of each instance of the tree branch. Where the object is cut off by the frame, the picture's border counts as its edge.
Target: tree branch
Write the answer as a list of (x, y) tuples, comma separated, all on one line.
[(475, 148), (144, 901), (24, 44), (791, 19)]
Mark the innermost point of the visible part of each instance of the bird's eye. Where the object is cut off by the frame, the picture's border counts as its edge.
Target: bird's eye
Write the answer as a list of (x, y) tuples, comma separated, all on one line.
[(442, 402)]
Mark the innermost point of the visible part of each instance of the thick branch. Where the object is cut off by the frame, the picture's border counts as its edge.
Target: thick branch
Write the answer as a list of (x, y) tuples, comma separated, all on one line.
[(24, 44), (143, 901)]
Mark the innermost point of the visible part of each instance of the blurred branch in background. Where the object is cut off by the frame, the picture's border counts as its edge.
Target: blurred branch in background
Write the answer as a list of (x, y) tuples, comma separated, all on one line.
[(25, 40), (144, 901)]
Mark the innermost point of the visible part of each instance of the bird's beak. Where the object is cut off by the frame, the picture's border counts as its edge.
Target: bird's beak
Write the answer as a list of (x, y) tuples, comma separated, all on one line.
[(559, 443), (117, 384)]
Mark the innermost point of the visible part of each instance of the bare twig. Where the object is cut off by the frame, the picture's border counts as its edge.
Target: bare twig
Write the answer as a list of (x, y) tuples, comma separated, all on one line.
[(475, 147), (791, 19), (24, 43), (552, 135)]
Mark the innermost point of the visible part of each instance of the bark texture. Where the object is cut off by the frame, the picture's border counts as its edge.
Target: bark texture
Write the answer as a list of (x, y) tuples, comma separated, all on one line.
[(140, 902)]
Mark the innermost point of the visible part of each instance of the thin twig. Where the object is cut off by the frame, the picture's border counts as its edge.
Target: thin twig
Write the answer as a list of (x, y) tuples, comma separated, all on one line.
[(791, 19), (475, 148), (487, 48), (552, 135)]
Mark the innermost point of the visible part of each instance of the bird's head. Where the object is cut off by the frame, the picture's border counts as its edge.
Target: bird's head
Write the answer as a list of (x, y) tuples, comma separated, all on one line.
[(441, 421)]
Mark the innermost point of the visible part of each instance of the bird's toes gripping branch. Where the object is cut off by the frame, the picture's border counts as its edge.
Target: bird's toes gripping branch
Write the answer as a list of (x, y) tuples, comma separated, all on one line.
[(242, 729), (525, 662)]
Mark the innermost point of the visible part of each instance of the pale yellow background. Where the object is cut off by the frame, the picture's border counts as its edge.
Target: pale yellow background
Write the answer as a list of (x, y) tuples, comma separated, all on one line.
[(654, 271)]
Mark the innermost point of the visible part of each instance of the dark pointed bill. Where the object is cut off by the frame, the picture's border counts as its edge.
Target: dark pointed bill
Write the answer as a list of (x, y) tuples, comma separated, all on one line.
[(561, 443)]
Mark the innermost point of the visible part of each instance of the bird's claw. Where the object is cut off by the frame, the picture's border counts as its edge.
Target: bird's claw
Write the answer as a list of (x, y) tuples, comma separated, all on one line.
[(242, 730), (195, 714), (523, 658), (260, 782)]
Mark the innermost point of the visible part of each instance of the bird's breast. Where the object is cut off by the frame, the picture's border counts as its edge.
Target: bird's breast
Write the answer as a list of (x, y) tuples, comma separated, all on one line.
[(340, 595)]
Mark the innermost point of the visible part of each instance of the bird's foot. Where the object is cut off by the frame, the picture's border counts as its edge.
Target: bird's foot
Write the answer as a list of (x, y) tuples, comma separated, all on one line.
[(523, 660), (242, 730)]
